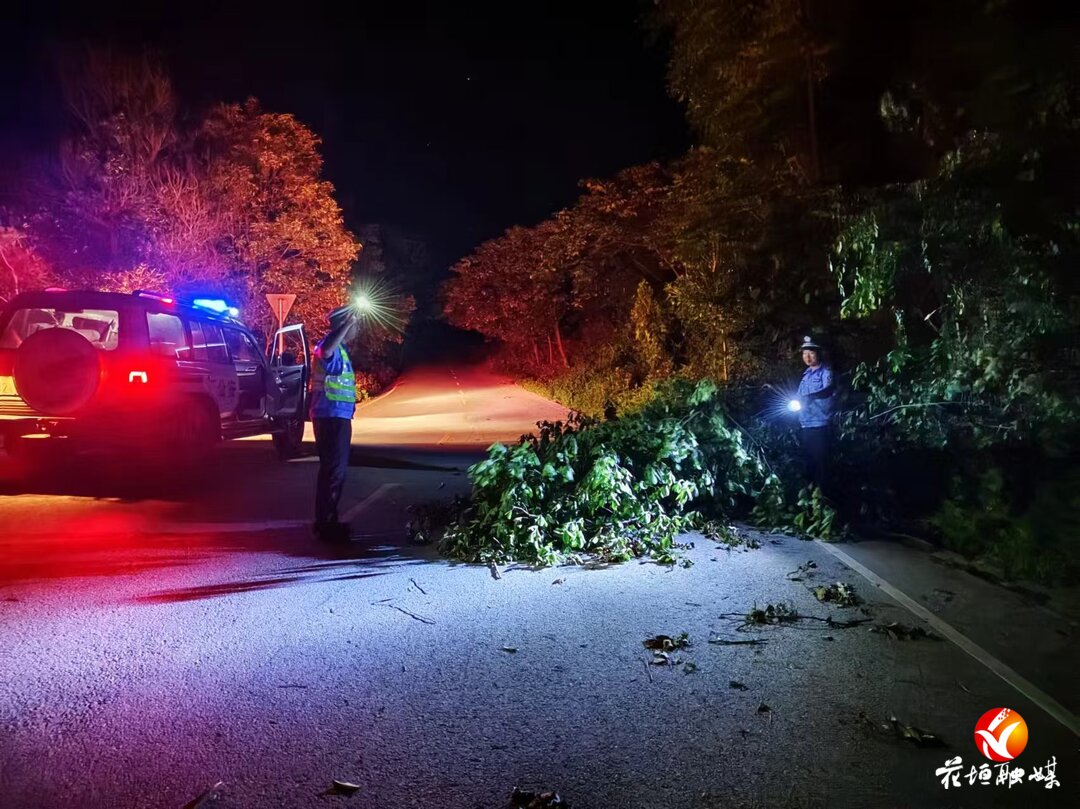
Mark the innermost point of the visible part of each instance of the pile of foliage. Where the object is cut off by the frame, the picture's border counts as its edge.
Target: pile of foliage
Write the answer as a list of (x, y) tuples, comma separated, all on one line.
[(611, 490)]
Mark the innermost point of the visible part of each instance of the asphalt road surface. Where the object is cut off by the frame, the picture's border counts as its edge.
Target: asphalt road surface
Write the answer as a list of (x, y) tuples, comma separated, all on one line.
[(179, 642)]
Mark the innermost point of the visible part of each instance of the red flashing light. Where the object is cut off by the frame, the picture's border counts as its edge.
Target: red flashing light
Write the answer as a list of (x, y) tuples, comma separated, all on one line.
[(154, 296), (138, 376)]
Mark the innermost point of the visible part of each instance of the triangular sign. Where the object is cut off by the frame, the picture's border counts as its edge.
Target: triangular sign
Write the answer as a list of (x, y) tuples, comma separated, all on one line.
[(280, 304)]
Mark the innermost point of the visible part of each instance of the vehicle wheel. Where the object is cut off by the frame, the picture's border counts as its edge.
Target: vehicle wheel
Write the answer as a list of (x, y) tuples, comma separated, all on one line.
[(289, 438)]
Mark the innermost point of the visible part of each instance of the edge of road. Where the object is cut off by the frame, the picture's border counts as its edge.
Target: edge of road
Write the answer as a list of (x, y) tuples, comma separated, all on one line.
[(1013, 678)]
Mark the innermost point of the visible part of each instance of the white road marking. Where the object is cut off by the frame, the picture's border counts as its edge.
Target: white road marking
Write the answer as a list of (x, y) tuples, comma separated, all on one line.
[(1006, 673), (223, 527), (354, 512)]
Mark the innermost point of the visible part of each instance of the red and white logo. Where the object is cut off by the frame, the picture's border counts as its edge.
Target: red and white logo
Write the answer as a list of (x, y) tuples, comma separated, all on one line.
[(1001, 734)]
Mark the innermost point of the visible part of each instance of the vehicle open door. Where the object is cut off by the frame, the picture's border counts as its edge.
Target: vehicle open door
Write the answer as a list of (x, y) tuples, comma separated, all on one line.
[(290, 363), (289, 358)]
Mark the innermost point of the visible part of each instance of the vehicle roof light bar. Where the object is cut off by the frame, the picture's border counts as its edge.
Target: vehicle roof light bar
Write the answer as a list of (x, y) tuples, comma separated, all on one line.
[(216, 305), (153, 296)]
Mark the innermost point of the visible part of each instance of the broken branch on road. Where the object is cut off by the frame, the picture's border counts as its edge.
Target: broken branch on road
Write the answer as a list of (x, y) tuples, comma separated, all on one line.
[(202, 799), (899, 631), (419, 618)]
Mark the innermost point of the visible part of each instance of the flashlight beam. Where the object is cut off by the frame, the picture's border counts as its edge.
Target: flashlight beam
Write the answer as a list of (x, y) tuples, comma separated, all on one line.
[(375, 302)]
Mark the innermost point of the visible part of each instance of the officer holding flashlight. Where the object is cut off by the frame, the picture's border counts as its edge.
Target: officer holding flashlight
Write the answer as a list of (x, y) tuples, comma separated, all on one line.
[(814, 404), (333, 403)]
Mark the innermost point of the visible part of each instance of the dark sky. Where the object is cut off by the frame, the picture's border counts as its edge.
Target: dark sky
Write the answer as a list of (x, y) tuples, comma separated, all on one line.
[(452, 119)]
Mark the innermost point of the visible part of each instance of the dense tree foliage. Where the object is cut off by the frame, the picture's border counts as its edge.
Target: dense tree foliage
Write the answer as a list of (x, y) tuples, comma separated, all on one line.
[(231, 201), (900, 180)]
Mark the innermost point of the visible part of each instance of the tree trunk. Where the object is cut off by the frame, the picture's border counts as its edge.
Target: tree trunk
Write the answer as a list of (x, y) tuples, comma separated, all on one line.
[(14, 275), (536, 353), (559, 343), (811, 108), (551, 354), (724, 355)]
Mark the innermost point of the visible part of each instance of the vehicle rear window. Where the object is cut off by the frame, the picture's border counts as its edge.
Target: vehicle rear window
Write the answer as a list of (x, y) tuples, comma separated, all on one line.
[(167, 335), (100, 326)]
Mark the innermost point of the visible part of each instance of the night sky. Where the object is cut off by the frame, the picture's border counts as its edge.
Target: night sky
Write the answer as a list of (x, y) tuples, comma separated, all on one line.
[(451, 120)]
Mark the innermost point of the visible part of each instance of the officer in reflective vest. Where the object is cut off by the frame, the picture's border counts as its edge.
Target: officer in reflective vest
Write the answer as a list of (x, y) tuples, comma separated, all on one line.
[(333, 403)]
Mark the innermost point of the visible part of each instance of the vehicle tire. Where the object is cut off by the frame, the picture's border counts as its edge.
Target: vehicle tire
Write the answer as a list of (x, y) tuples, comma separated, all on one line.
[(289, 438), (57, 371)]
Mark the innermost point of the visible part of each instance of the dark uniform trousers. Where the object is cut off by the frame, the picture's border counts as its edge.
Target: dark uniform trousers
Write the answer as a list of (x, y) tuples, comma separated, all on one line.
[(815, 447), (333, 439)]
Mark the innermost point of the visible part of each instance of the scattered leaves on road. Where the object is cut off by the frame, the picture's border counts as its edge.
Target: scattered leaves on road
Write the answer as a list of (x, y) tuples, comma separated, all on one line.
[(803, 571), (737, 685), (841, 594), (729, 537), (917, 736), (899, 631), (510, 649), (763, 708), (559, 581), (666, 643), (528, 799), (773, 614), (689, 667), (661, 659), (904, 732)]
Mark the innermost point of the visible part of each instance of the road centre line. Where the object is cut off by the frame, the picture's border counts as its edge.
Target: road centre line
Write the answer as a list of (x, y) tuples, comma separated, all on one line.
[(355, 511)]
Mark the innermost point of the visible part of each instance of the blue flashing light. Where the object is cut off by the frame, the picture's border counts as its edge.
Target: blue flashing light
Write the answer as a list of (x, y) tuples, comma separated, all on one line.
[(216, 305)]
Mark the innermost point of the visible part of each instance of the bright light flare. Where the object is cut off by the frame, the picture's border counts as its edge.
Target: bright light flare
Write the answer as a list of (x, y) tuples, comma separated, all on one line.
[(781, 403), (375, 302)]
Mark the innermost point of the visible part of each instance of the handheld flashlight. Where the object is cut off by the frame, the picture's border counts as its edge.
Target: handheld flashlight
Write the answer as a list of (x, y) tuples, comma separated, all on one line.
[(794, 405), (362, 303)]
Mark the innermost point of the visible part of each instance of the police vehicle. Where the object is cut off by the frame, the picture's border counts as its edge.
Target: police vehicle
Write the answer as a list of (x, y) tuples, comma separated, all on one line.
[(145, 372)]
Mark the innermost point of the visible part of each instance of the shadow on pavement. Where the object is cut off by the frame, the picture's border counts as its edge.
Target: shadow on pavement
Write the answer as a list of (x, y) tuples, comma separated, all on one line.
[(351, 562), (130, 479), (132, 555), (419, 457)]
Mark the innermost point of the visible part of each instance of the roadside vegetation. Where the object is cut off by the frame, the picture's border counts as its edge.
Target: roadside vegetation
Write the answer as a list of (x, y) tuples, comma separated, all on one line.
[(919, 219)]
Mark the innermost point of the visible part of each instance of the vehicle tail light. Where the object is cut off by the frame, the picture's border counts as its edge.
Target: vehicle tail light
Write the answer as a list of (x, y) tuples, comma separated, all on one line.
[(138, 376)]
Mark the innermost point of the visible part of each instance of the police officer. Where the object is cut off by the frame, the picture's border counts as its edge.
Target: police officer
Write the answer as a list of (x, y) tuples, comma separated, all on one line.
[(815, 398), (333, 403)]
